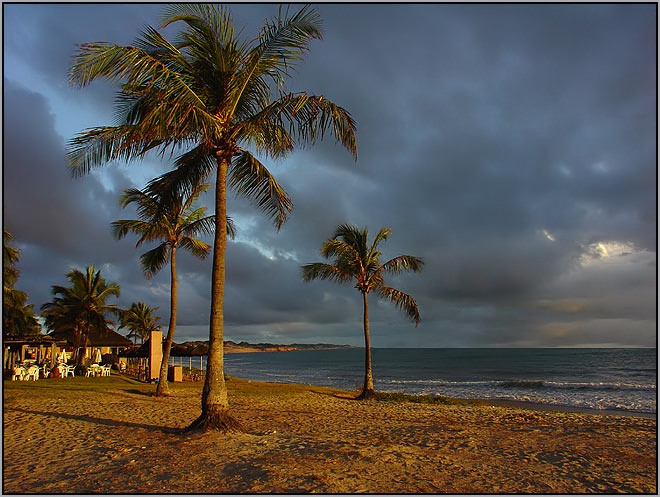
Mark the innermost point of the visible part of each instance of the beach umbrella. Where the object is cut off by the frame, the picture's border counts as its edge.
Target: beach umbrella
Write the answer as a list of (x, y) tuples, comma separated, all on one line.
[(97, 356)]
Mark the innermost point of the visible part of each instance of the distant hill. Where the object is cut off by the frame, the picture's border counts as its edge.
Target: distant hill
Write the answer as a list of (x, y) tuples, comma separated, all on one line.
[(232, 347)]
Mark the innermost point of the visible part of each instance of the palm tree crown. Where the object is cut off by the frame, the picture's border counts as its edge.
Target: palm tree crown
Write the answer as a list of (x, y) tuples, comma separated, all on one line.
[(140, 321), (212, 94), (81, 307), (355, 259), (175, 223)]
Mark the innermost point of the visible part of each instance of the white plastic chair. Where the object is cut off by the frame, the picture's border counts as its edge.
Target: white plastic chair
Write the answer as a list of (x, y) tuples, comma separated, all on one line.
[(18, 373), (32, 372), (105, 370), (62, 369), (66, 370)]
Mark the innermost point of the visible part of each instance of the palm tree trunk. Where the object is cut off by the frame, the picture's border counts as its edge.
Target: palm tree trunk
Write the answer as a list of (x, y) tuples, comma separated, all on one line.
[(215, 404), (368, 389), (162, 389)]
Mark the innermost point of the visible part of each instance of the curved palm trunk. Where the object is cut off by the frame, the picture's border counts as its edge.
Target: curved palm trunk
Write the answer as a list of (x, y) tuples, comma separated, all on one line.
[(368, 391), (215, 404), (163, 388)]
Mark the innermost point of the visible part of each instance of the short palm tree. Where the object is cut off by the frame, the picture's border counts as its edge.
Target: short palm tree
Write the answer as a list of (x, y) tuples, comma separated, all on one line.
[(174, 223), (356, 260), (81, 307), (140, 320), (214, 95)]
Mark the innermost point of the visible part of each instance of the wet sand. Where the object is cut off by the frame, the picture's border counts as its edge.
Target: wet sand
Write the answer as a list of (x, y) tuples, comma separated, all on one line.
[(109, 435)]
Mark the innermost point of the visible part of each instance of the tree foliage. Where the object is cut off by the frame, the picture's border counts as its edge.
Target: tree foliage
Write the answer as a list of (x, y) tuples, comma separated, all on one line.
[(18, 317), (140, 321), (82, 307)]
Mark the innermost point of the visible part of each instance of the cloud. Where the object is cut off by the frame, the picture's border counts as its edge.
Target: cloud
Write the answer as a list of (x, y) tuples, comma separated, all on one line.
[(502, 143)]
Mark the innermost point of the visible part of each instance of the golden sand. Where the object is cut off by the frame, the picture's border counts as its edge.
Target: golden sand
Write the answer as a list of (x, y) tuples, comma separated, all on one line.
[(109, 435)]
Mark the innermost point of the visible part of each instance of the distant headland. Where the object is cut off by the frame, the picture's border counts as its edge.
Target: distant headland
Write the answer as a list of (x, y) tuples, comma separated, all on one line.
[(232, 347)]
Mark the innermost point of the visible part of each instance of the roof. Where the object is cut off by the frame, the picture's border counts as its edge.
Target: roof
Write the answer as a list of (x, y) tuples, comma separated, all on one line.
[(95, 339), (31, 340), (186, 349)]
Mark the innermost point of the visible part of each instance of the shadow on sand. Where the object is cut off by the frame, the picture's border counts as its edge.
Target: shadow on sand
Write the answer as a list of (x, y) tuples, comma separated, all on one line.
[(100, 421)]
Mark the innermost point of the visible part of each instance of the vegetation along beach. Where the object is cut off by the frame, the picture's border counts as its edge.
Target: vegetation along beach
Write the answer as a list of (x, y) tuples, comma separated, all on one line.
[(111, 435)]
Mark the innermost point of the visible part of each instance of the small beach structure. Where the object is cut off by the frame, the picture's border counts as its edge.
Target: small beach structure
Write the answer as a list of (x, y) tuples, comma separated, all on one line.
[(143, 361)]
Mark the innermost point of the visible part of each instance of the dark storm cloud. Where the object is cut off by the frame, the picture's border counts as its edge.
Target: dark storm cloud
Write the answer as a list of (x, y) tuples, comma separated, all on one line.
[(502, 143)]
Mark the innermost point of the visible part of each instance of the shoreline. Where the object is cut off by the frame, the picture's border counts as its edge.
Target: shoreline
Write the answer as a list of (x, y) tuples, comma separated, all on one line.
[(111, 435), (540, 406), (520, 404)]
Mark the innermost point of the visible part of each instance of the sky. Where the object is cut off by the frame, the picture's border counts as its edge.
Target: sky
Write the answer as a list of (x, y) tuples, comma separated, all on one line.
[(512, 147)]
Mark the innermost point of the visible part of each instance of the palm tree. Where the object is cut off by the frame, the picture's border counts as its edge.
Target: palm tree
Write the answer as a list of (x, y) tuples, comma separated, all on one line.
[(82, 307), (176, 223), (140, 321), (18, 317), (213, 94), (355, 259)]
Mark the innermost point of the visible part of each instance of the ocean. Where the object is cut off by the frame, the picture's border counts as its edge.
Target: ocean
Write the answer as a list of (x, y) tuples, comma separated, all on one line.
[(603, 379)]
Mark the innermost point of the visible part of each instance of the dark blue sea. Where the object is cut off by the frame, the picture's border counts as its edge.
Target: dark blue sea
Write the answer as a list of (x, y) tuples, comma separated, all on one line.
[(605, 379)]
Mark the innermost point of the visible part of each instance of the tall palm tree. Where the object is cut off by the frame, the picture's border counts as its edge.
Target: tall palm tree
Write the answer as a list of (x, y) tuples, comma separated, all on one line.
[(140, 321), (81, 307), (175, 222), (355, 259), (214, 94)]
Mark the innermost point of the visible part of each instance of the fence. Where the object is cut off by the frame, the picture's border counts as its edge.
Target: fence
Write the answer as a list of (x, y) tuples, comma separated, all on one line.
[(138, 367)]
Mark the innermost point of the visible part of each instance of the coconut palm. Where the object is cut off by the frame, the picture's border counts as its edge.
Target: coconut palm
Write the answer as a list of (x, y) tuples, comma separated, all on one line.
[(213, 95), (175, 222), (140, 321), (81, 307), (356, 260)]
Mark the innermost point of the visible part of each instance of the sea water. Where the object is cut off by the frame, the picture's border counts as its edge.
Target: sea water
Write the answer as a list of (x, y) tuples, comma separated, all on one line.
[(605, 379)]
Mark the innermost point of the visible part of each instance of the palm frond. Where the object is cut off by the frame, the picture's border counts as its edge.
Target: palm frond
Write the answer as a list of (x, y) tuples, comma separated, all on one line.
[(196, 247), (322, 271), (401, 300), (281, 42), (147, 64), (155, 259), (250, 178), (231, 228), (204, 225), (403, 263), (146, 231), (309, 117), (381, 236), (339, 249), (191, 170)]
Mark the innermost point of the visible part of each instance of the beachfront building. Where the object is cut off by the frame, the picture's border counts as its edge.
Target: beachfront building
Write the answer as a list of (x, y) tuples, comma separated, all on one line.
[(109, 342), (38, 348)]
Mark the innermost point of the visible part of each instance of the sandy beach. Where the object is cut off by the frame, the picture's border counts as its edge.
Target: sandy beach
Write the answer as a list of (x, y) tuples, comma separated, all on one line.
[(110, 435)]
